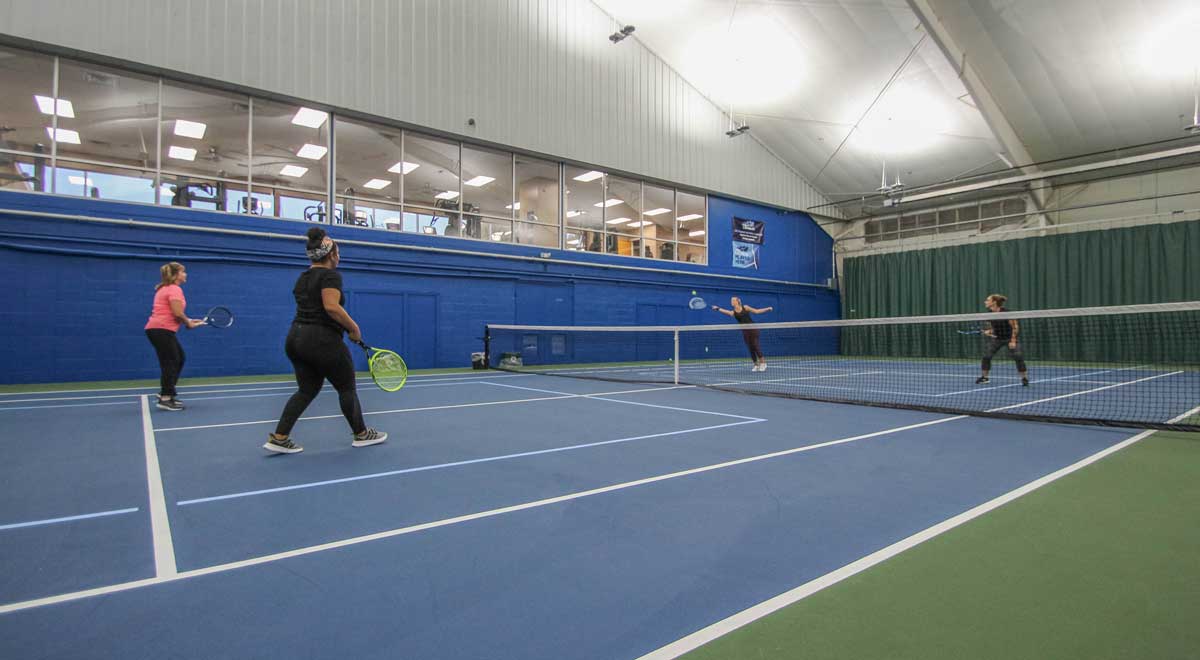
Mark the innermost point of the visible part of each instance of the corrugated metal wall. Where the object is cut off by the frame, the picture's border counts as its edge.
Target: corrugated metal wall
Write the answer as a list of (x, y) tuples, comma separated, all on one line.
[(535, 74)]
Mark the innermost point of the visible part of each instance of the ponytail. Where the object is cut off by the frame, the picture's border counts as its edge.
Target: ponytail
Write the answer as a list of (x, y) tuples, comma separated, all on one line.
[(168, 272)]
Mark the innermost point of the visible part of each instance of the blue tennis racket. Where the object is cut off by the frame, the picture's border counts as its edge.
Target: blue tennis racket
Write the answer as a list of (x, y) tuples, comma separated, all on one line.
[(218, 317)]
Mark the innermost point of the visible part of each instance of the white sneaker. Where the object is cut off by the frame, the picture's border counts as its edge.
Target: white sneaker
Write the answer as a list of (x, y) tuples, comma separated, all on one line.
[(368, 437), (762, 367)]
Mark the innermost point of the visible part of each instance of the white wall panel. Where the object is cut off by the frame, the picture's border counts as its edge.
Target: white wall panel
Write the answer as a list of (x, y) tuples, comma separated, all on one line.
[(535, 74)]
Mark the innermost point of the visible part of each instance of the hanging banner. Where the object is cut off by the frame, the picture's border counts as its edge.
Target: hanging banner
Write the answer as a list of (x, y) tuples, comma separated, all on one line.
[(747, 241)]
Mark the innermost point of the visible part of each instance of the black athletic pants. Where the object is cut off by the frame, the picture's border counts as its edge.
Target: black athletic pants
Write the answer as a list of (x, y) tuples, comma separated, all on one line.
[(994, 345), (318, 354), (751, 339), (170, 359)]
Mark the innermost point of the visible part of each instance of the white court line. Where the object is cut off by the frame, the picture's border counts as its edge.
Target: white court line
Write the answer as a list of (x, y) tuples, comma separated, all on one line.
[(777, 380), (299, 552), (70, 405), (749, 615), (160, 524), (1043, 380), (421, 409), (442, 466), (52, 521), (600, 397), (1094, 389)]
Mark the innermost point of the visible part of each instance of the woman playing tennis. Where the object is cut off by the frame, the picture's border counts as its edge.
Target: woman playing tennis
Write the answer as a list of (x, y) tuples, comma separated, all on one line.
[(315, 347), (749, 335), (166, 317), (1000, 334)]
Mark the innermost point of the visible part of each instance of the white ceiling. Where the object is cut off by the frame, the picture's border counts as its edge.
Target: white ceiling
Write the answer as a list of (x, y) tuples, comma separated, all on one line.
[(837, 88)]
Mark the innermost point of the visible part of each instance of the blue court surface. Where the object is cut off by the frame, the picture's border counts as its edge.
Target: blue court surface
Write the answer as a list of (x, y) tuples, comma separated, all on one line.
[(508, 515)]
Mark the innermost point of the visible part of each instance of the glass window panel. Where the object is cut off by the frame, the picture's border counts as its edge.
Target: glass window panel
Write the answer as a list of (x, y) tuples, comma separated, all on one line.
[(204, 133), (537, 192), (692, 218), (116, 116), (623, 209), (429, 221), (434, 181), (99, 182), (583, 239), (281, 131), (692, 254), (495, 229), (369, 160), (28, 83), (197, 193), (666, 251), (528, 233), (239, 201), (487, 182), (659, 214), (584, 190)]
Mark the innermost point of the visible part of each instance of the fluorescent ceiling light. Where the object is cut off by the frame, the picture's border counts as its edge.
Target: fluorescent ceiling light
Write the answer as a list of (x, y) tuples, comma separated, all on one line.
[(181, 153), (617, 221), (479, 181), (589, 176), (190, 129), (403, 167), (515, 207), (377, 184), (46, 105), (657, 211), (608, 202), (312, 151), (63, 135), (573, 242), (572, 214), (293, 170), (642, 223), (699, 232), (77, 180), (449, 194), (310, 118), (690, 216)]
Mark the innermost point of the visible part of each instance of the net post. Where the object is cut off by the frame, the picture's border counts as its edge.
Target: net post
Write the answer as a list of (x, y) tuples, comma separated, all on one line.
[(487, 347), (676, 356)]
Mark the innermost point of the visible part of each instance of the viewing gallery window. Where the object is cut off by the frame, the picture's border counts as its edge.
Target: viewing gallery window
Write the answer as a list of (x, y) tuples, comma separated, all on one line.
[(77, 129)]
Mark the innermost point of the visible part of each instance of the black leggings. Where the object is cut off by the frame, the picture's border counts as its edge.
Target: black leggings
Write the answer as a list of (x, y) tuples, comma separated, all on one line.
[(318, 353), (170, 359), (994, 345), (751, 339)]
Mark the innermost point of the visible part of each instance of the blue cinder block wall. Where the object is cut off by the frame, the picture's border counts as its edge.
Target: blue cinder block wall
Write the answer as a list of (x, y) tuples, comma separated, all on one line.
[(77, 293)]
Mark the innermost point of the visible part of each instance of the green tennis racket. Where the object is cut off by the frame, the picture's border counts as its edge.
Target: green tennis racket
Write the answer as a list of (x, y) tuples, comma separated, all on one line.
[(387, 368)]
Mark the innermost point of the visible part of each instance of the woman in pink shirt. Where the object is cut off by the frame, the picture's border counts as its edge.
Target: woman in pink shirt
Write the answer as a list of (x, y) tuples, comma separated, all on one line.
[(165, 318)]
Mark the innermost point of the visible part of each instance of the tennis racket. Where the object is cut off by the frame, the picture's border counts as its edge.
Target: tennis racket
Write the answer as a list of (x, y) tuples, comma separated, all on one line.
[(218, 317), (970, 332), (697, 303), (387, 368)]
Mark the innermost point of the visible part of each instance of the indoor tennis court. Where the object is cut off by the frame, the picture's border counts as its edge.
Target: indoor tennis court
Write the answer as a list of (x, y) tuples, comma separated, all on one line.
[(600, 329)]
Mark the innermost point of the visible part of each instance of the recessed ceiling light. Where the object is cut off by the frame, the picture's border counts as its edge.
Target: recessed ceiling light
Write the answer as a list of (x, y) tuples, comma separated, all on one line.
[(608, 202), (310, 118), (572, 214), (449, 194), (617, 221), (377, 184), (656, 211), (181, 153), (312, 151), (77, 180), (293, 170), (190, 129), (46, 105), (690, 216), (515, 207), (589, 176), (479, 181), (63, 135), (699, 232), (403, 167)]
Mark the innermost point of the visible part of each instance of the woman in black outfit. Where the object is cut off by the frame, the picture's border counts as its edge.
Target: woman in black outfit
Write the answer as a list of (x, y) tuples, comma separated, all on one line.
[(1001, 333), (315, 347), (749, 335)]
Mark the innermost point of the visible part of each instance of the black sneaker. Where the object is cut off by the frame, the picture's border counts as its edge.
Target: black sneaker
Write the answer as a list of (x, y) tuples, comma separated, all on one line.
[(169, 404), (982, 380), (368, 437), (1024, 382), (281, 445)]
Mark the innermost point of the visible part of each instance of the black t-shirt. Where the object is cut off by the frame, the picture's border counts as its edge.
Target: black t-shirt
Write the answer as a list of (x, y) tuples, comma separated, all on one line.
[(309, 306), (742, 316), (1001, 329)]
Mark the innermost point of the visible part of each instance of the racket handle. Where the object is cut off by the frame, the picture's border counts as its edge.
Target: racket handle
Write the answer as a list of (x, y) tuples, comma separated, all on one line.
[(362, 344)]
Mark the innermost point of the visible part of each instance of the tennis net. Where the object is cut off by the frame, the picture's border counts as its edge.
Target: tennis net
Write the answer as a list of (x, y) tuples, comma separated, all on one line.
[(1135, 366)]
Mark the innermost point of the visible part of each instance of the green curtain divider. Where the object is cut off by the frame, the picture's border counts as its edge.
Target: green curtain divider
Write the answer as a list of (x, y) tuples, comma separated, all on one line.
[(1146, 264)]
